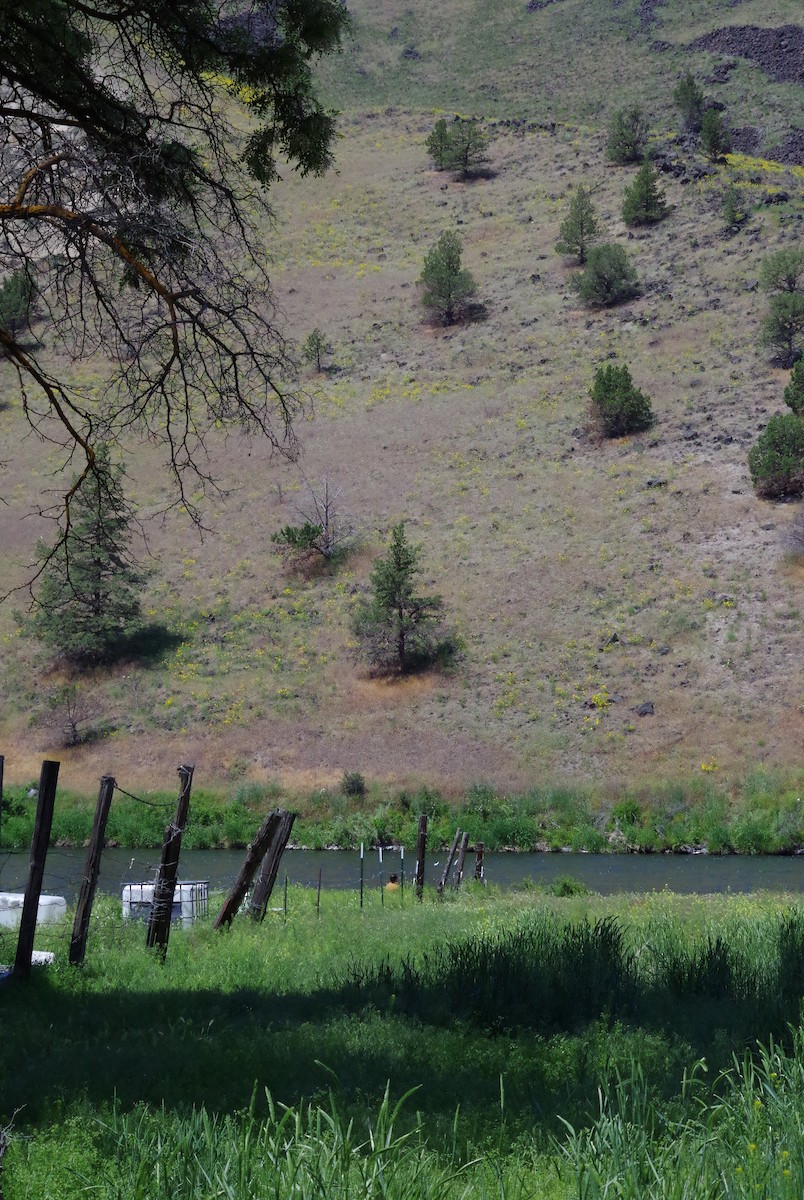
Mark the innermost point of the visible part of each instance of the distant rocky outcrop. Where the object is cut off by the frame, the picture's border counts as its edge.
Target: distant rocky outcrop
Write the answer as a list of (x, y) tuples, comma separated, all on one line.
[(778, 52)]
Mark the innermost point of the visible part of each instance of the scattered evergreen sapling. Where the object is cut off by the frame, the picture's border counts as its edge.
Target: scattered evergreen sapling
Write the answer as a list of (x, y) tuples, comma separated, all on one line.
[(688, 98), (397, 629), (447, 286), (715, 137), (88, 602), (580, 227), (628, 133), (644, 202)]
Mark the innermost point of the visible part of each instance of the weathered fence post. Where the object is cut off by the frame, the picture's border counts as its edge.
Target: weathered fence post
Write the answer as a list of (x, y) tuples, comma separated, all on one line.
[(39, 844), (165, 886), (479, 852), (442, 883), (421, 851), (270, 866), (86, 894), (2, 762), (457, 877), (255, 853), (318, 896)]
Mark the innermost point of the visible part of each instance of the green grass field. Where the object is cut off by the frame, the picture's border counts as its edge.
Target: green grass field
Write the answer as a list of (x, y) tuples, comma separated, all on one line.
[(545, 1047)]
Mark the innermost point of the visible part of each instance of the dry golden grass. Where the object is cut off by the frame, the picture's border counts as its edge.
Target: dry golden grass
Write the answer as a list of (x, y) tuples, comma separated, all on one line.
[(584, 578)]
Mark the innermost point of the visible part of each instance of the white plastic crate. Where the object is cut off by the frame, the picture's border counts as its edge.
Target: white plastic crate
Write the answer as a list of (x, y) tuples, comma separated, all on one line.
[(190, 900)]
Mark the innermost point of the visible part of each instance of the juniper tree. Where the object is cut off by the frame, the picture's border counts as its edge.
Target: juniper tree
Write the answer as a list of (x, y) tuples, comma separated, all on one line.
[(618, 406), (580, 227), (608, 277), (447, 285), (88, 600), (793, 394), (644, 202)]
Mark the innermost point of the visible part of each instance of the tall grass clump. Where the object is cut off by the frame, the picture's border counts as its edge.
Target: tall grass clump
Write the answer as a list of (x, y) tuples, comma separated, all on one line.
[(747, 1142)]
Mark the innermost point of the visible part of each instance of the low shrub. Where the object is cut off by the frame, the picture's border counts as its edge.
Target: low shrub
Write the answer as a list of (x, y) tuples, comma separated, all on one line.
[(608, 277), (776, 460), (619, 407)]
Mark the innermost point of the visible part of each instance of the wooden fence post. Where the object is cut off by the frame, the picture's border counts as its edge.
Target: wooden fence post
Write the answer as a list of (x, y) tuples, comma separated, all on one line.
[(442, 883), (2, 763), (255, 853), (421, 851), (41, 839), (86, 894), (457, 877), (479, 852), (165, 886), (270, 866)]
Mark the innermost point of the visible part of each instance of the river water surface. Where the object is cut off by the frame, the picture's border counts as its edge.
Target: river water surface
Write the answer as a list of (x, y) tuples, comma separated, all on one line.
[(604, 873)]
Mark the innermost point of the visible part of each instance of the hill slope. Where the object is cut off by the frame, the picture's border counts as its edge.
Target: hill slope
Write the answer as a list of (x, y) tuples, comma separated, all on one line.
[(586, 579)]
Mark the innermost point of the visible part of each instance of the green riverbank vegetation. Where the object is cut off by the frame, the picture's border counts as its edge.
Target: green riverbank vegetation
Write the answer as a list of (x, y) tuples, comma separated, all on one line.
[(485, 1046), (764, 815)]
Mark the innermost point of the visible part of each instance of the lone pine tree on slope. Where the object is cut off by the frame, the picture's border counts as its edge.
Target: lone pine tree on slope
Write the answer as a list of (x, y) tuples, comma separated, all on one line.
[(88, 601)]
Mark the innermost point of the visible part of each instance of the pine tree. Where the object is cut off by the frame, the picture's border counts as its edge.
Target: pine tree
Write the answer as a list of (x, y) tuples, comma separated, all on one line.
[(628, 133), (689, 100), (715, 137), (397, 629), (446, 284), (16, 297), (644, 201), (580, 227), (439, 146), (88, 601), (459, 146)]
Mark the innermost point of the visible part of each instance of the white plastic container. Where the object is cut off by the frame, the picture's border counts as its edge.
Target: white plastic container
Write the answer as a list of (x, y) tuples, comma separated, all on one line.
[(190, 900), (51, 909)]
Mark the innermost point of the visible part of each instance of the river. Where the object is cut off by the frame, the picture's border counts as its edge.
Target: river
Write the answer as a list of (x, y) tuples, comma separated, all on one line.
[(604, 873)]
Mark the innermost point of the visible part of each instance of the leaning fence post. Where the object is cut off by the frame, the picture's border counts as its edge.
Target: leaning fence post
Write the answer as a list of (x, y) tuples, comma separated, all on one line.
[(457, 876), (254, 856), (442, 883), (39, 844), (270, 866), (421, 851), (86, 894), (165, 886)]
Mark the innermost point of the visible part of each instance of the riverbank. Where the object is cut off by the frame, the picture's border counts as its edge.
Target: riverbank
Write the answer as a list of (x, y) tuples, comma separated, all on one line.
[(762, 814)]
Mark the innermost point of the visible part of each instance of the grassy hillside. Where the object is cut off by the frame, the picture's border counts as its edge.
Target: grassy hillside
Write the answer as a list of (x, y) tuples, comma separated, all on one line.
[(585, 579)]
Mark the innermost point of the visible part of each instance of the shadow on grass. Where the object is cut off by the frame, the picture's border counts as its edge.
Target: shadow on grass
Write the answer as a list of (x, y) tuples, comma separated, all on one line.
[(150, 643), (552, 1021)]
